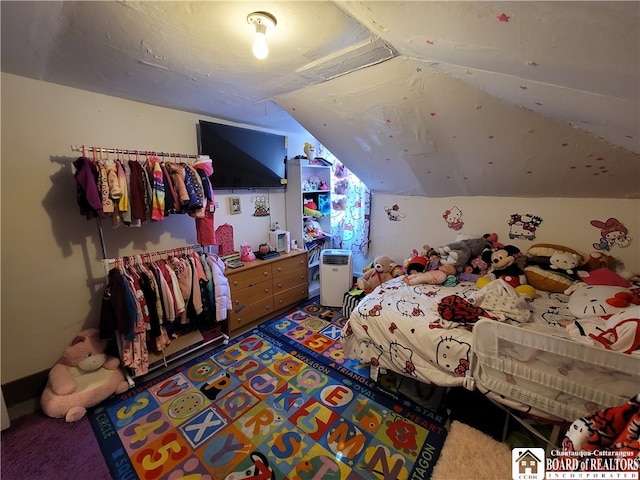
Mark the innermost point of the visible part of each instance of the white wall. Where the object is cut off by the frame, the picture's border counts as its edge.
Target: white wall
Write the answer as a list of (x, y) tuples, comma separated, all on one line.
[(565, 221), (52, 276)]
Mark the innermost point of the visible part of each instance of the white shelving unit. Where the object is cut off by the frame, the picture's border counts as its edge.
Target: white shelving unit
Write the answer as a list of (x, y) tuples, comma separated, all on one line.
[(309, 181)]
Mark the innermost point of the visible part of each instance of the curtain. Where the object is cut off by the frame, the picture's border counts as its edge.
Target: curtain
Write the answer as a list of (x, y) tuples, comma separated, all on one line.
[(350, 210)]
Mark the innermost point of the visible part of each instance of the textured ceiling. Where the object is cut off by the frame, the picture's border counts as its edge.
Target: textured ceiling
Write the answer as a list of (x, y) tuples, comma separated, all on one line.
[(418, 98)]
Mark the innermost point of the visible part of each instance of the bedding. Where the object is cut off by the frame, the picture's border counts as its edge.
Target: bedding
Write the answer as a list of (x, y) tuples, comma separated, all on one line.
[(427, 332)]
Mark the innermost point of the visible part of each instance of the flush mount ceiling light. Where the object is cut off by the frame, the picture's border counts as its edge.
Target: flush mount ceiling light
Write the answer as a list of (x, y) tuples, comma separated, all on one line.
[(263, 22)]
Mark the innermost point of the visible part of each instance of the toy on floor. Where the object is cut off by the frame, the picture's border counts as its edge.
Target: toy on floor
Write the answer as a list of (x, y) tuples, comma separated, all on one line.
[(82, 378)]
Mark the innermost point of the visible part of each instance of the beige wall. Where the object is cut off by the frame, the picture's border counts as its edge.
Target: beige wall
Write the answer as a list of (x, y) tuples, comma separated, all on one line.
[(52, 277)]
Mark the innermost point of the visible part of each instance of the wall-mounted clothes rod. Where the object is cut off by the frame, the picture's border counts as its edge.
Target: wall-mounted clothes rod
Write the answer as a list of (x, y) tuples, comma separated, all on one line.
[(123, 151)]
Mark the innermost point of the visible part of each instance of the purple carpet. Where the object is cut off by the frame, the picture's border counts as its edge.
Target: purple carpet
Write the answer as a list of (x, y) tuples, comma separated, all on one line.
[(37, 447)]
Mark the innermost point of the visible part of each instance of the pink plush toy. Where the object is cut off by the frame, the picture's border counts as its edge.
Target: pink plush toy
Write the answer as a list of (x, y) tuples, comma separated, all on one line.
[(83, 377)]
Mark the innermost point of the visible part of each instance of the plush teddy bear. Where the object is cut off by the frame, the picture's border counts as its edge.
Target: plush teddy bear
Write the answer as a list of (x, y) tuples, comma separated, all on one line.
[(379, 273), (83, 377)]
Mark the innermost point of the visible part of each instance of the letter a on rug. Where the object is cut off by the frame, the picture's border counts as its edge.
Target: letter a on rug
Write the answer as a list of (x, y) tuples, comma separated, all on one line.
[(263, 406)]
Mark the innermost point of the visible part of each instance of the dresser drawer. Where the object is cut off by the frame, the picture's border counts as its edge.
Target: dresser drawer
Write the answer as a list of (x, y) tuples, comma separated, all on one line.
[(249, 277), (293, 295), (290, 279), (250, 313), (242, 297), (288, 265)]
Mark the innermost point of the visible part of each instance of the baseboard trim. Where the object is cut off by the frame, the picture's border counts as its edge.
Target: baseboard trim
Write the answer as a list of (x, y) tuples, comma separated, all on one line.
[(24, 389)]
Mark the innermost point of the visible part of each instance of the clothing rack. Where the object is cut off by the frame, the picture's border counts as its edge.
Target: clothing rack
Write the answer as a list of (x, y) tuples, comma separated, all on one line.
[(123, 151), (116, 262), (108, 263)]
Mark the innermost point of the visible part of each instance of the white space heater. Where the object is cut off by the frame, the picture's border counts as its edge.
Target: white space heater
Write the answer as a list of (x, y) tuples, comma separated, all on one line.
[(336, 276)]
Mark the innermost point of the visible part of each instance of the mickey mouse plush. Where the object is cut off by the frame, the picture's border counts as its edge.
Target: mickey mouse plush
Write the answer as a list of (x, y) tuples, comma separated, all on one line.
[(502, 264)]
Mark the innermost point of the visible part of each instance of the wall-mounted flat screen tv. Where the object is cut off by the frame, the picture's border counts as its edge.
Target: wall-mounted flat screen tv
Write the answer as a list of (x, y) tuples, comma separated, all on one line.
[(243, 158)]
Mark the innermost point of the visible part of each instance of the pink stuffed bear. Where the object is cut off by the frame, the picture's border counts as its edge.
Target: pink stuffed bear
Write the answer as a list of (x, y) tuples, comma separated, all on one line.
[(83, 377)]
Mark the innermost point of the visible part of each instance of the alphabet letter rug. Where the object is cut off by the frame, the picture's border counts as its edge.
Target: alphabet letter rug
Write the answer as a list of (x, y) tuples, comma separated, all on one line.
[(265, 406)]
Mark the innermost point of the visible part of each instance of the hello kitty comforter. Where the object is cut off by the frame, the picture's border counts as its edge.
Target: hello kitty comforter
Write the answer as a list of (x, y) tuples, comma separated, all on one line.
[(400, 328)]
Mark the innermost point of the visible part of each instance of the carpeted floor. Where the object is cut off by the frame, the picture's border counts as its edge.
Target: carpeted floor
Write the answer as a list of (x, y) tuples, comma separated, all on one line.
[(37, 447)]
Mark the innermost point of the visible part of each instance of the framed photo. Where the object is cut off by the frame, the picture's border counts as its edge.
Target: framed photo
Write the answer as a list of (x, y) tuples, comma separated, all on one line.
[(234, 205)]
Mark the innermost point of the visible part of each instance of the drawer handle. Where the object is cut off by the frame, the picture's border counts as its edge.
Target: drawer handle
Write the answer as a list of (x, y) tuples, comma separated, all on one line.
[(268, 307), (266, 290), (235, 283), (239, 320), (279, 269), (265, 273), (279, 285)]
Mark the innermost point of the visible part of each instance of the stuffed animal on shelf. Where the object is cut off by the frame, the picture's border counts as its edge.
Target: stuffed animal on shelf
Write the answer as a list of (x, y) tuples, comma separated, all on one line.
[(309, 150), (445, 274), (82, 378), (311, 230), (310, 208), (379, 273)]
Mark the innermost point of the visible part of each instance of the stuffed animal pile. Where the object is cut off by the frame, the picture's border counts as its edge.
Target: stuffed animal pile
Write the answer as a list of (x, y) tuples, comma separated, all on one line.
[(83, 377)]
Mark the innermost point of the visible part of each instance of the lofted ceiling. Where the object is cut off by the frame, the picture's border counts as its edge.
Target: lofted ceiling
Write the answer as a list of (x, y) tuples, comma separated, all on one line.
[(417, 98)]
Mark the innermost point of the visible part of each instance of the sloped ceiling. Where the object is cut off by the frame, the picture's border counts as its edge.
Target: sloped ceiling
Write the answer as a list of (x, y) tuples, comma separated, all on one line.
[(417, 98)]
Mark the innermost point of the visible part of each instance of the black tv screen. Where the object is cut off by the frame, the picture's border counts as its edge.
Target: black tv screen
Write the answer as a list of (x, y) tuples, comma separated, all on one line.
[(243, 158)]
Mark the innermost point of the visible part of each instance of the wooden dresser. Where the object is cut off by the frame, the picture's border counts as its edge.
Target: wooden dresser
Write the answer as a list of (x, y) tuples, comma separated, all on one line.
[(262, 288)]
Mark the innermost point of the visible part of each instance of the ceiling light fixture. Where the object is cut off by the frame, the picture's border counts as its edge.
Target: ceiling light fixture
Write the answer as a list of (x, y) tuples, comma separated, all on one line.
[(263, 22)]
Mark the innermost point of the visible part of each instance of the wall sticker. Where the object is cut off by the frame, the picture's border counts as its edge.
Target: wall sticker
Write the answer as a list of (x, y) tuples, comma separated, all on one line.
[(453, 217), (393, 213), (612, 233), (523, 225)]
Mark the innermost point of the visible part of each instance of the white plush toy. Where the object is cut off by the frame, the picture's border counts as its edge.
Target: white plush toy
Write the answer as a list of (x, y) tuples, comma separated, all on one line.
[(566, 261)]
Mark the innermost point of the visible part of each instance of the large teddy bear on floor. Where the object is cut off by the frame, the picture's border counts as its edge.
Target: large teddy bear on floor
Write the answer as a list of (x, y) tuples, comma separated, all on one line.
[(83, 377)]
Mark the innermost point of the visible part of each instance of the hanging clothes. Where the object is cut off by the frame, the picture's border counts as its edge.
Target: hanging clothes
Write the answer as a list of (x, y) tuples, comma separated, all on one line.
[(135, 192), (205, 230), (147, 303), (88, 196)]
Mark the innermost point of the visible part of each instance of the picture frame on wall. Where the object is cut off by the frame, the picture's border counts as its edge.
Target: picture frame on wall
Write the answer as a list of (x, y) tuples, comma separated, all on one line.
[(234, 205)]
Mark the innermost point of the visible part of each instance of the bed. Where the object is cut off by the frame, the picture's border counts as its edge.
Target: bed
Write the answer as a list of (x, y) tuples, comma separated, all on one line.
[(545, 363)]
